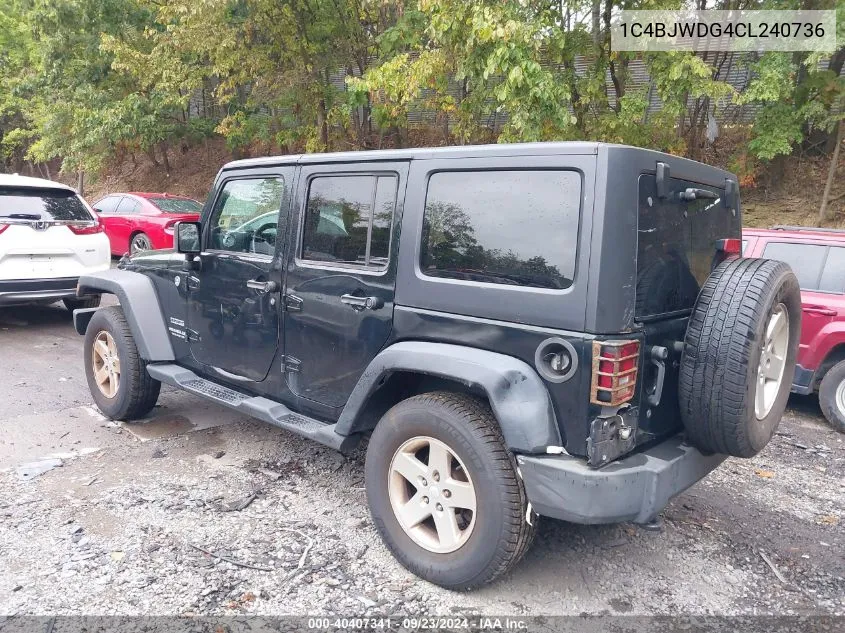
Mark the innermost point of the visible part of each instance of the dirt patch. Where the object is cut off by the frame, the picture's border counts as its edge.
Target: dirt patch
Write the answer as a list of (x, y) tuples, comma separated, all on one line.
[(192, 172)]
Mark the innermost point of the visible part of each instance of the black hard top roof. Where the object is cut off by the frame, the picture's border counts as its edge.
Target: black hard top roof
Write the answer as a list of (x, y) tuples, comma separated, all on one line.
[(422, 153)]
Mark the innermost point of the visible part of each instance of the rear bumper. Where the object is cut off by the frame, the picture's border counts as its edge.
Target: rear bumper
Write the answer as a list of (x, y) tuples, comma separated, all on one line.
[(18, 291), (635, 488)]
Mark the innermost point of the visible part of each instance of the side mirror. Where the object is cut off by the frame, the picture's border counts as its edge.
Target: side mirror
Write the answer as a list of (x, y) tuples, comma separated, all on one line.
[(187, 238), (96, 210)]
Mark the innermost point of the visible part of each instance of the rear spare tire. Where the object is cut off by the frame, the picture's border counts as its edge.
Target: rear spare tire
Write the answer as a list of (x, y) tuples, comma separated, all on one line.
[(739, 356)]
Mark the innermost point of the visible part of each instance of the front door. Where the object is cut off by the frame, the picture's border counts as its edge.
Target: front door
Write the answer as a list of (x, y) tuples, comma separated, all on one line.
[(341, 276), (234, 296)]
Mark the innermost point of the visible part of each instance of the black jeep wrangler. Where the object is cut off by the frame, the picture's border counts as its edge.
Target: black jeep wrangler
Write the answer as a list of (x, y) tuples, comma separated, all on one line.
[(555, 329)]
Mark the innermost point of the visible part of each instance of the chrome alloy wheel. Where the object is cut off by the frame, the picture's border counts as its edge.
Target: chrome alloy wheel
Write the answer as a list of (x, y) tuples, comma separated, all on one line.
[(106, 364), (139, 244), (772, 361), (432, 495), (840, 397)]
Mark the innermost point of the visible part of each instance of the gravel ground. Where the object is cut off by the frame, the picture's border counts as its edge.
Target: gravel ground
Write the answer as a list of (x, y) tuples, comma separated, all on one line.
[(201, 512)]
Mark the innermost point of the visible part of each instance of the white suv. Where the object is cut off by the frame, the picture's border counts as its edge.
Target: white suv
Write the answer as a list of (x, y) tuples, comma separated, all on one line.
[(49, 236)]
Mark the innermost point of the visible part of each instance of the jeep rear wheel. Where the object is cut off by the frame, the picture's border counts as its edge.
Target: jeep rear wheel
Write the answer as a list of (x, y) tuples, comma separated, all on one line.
[(117, 375), (739, 356), (443, 490)]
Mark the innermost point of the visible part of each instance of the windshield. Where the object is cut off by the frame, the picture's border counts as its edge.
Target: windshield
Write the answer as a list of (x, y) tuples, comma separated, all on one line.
[(676, 244), (177, 205), (42, 204)]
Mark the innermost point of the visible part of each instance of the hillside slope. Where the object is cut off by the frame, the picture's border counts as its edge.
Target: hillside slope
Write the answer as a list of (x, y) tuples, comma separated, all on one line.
[(789, 194)]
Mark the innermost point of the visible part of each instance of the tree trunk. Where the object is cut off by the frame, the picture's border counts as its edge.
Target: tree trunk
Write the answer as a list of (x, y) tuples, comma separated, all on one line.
[(80, 183), (596, 22), (323, 124), (163, 147), (837, 61), (832, 173), (150, 152)]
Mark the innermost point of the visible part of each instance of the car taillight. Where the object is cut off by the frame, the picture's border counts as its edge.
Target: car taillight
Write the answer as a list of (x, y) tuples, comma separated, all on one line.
[(615, 366), (87, 228), (727, 249), (3, 227)]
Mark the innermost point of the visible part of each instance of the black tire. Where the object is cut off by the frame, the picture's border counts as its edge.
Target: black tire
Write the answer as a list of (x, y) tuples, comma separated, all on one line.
[(137, 392), (136, 242), (500, 536), (832, 410), (722, 350), (92, 301)]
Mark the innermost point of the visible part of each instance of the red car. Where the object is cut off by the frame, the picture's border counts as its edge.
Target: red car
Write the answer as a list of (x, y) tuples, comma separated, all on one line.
[(143, 221), (818, 258)]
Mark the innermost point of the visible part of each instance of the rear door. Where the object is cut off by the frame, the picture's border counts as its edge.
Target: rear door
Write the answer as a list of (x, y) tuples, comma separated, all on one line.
[(124, 222), (676, 246), (820, 270), (341, 276)]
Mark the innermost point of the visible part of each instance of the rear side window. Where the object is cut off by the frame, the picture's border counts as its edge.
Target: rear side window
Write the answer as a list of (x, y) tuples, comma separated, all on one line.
[(128, 206), (833, 273), (348, 220), (42, 204), (176, 205), (503, 227), (818, 267)]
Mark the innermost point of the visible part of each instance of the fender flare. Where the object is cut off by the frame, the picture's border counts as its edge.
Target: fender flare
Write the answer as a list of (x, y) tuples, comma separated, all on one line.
[(517, 395), (139, 301)]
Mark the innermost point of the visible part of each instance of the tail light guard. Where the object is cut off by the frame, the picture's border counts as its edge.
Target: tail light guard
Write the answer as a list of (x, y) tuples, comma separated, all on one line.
[(613, 384)]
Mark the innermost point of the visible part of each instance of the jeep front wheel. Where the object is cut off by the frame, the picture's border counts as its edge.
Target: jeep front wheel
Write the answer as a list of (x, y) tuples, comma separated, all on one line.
[(444, 493), (117, 375)]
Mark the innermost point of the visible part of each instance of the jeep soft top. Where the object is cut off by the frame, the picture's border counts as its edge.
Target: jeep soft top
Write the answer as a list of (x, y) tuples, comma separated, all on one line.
[(562, 329)]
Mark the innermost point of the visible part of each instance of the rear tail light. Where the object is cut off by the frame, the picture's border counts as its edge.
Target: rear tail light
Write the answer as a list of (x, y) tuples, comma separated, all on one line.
[(615, 364), (87, 228), (3, 227)]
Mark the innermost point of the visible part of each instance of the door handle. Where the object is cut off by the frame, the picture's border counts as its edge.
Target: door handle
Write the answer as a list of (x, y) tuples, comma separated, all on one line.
[(362, 303), (262, 286), (819, 310)]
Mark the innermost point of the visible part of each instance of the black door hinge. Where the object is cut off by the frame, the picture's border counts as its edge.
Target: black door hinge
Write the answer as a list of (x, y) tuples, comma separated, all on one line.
[(293, 303), (290, 364)]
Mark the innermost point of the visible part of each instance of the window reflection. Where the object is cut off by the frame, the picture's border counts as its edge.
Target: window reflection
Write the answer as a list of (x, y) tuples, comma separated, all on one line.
[(341, 226), (508, 227)]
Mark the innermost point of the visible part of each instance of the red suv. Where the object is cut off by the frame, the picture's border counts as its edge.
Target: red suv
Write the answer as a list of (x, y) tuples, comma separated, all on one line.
[(817, 256), (142, 221)]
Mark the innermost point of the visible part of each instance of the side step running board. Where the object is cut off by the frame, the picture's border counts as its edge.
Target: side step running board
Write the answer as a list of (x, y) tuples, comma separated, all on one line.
[(259, 407)]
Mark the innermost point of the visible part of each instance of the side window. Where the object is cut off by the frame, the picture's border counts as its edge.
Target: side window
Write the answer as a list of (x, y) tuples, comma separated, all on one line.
[(128, 206), (833, 275), (806, 260), (504, 227), (107, 205), (245, 218), (348, 220)]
